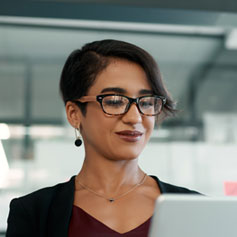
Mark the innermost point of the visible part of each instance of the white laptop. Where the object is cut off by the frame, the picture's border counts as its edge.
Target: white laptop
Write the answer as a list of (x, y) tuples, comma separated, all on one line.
[(194, 216)]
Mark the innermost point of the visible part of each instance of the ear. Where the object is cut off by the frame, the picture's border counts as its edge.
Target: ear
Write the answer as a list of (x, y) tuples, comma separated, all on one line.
[(73, 114)]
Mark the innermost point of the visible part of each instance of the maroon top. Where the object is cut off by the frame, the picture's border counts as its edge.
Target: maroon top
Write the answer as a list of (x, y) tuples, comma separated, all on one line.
[(83, 224)]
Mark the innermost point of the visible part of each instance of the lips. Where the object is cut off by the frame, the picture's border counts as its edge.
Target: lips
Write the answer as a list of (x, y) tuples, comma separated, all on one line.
[(129, 135)]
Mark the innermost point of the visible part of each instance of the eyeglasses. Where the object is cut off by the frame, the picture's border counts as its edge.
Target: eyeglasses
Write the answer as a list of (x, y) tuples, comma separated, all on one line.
[(112, 104)]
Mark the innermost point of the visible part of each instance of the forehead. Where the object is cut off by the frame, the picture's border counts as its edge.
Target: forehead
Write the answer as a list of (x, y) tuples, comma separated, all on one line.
[(121, 74)]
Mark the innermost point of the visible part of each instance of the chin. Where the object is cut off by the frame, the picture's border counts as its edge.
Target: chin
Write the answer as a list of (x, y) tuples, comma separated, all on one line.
[(128, 154), (125, 151)]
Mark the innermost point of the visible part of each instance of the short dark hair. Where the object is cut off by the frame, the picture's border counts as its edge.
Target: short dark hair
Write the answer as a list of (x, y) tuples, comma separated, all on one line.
[(83, 65)]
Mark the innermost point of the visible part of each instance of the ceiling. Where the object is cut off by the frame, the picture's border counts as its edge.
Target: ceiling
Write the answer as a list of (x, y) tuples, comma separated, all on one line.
[(209, 12)]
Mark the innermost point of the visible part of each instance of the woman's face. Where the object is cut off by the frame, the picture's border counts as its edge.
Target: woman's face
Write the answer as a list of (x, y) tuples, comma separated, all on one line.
[(113, 137)]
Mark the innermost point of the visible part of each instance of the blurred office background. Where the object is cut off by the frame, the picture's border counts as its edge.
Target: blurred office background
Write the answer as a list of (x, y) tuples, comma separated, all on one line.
[(195, 46)]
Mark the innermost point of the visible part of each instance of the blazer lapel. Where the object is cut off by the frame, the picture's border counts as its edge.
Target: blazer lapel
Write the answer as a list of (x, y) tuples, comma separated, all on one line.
[(61, 209)]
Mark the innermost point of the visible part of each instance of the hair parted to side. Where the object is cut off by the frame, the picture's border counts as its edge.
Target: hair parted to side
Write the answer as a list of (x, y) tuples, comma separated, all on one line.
[(83, 65)]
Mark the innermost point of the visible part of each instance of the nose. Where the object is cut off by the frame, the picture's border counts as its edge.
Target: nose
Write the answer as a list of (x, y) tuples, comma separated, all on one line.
[(133, 115)]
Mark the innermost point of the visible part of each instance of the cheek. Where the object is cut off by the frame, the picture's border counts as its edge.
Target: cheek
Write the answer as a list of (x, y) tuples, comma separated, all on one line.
[(97, 127), (149, 124)]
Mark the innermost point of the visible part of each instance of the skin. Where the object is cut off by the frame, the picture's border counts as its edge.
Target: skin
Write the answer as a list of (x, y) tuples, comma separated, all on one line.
[(111, 163)]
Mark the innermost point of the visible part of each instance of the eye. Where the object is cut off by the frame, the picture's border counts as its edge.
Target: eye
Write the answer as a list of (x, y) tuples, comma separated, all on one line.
[(146, 103), (114, 101)]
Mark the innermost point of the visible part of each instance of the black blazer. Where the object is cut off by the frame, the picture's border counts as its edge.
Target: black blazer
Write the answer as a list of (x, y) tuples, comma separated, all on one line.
[(47, 212)]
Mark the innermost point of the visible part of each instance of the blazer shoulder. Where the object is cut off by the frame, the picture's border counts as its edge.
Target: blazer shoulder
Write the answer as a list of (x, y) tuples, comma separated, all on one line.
[(170, 188), (44, 195), (28, 214)]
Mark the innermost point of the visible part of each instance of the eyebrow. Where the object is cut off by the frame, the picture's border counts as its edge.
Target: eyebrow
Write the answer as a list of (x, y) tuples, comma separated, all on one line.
[(123, 91)]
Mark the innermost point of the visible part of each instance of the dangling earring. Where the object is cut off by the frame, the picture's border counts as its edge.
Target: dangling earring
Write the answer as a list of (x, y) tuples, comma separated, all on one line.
[(78, 140)]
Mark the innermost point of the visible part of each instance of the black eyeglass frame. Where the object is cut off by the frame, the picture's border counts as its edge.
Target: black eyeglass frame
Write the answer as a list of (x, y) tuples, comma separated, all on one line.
[(99, 98)]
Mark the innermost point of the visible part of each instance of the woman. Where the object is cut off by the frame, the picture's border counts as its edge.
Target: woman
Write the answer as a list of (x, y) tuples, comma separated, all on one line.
[(113, 93)]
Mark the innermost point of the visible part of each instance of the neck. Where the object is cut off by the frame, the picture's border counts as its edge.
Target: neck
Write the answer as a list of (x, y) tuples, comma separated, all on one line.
[(109, 176)]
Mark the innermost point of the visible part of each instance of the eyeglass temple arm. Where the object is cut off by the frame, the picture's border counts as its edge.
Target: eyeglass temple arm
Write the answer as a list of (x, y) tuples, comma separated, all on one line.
[(87, 99)]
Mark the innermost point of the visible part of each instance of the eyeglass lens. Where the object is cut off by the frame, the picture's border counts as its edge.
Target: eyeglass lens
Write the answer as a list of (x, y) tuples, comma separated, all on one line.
[(114, 104)]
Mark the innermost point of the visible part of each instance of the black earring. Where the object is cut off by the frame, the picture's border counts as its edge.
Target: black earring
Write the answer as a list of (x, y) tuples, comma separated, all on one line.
[(78, 140)]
